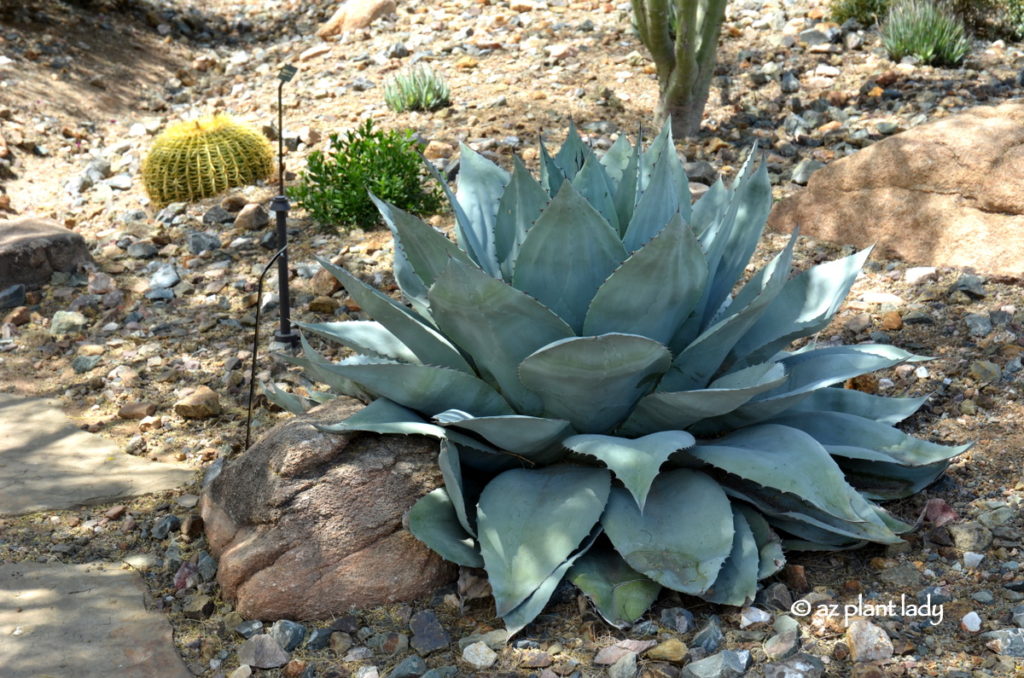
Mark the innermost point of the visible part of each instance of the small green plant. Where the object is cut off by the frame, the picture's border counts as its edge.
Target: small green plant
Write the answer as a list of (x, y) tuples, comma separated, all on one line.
[(1013, 18), (418, 89), (335, 186), (867, 12), (926, 30)]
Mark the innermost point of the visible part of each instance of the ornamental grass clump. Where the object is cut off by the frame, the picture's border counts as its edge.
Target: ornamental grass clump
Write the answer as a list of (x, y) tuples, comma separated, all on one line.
[(925, 30), (616, 402), (418, 89)]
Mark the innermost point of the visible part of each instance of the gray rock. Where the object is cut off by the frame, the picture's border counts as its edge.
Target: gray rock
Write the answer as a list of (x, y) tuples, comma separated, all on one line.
[(812, 37), (78, 185), (678, 619), (868, 642), (32, 250), (983, 597), (252, 217), (781, 645), (164, 525), (977, 324), (319, 639), (98, 169), (168, 213), (800, 666), (206, 566), (396, 51), (625, 667), (933, 595), (710, 637), (804, 169), (479, 656), (410, 667), (67, 322), (288, 634), (776, 597), (428, 634), (902, 576), (85, 363), (165, 277), (141, 250), (790, 83), (217, 215), (702, 171), (996, 517), (970, 536), (199, 242), (120, 182), (12, 296), (198, 606), (725, 664), (442, 672), (971, 285), (1018, 615), (262, 652), (162, 294), (1007, 642)]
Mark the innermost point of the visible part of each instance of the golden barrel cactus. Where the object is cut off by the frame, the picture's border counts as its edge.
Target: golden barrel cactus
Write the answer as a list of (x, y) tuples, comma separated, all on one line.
[(196, 159)]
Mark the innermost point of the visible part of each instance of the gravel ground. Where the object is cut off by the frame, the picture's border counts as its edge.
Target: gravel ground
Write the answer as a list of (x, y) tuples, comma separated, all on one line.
[(71, 95)]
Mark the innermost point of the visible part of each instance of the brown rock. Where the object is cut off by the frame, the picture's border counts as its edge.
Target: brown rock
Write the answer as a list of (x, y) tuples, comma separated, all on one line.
[(19, 316), (234, 203), (324, 284), (202, 403), (355, 14), (438, 149), (950, 193), (892, 321), (31, 250), (308, 524), (324, 305), (136, 410), (252, 217)]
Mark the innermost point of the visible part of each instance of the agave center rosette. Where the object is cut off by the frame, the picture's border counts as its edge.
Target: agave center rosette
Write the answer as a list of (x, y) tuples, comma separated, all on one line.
[(614, 398)]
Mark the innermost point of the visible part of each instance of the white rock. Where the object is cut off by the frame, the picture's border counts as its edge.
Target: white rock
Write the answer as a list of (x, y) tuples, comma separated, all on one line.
[(973, 559), (479, 656), (920, 274), (753, 615), (971, 622)]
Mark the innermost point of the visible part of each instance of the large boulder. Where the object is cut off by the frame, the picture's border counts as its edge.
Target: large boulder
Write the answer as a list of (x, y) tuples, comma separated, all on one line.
[(31, 250), (950, 193), (355, 14), (308, 524)]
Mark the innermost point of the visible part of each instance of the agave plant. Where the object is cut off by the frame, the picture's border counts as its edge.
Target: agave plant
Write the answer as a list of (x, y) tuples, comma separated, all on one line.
[(613, 406)]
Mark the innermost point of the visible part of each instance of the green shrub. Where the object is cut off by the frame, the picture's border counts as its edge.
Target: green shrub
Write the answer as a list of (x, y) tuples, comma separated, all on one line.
[(612, 406), (923, 29), (334, 187), (1013, 18), (418, 89), (867, 12)]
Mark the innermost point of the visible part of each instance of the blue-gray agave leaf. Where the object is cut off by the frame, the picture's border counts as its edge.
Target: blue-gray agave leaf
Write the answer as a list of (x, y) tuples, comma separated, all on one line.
[(497, 325), (592, 183), (434, 522), (669, 273), (520, 205), (634, 461), (737, 580), (288, 402), (480, 185), (769, 545), (851, 401), (364, 336), (620, 593), (594, 382), (767, 454), (684, 555), (566, 500), (533, 438), (428, 345), (566, 284)]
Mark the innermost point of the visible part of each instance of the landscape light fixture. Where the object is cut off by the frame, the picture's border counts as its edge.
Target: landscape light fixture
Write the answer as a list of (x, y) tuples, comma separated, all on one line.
[(280, 206)]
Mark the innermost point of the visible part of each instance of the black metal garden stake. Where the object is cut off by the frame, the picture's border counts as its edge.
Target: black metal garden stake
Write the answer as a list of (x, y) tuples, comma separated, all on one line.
[(280, 206)]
